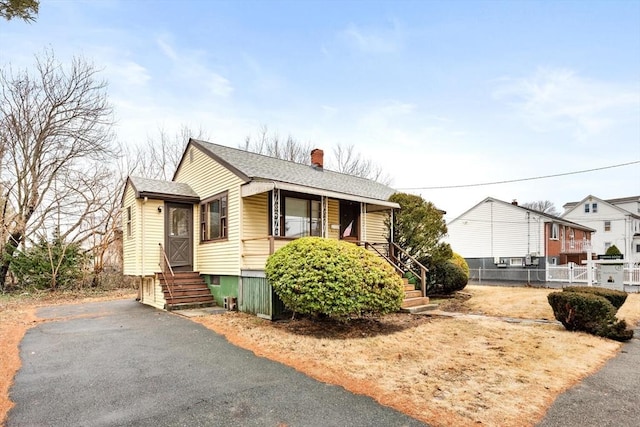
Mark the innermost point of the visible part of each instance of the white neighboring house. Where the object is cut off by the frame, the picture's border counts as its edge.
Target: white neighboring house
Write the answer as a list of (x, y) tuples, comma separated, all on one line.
[(616, 221)]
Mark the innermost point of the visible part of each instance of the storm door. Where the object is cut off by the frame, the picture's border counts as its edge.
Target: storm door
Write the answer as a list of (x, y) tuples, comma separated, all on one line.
[(179, 236), (349, 220)]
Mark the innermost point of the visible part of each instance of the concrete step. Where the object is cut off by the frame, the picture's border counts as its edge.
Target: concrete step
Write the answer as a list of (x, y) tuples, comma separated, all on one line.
[(419, 308)]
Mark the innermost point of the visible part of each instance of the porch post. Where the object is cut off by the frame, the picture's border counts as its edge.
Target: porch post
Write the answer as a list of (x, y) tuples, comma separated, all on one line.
[(324, 215), (275, 212)]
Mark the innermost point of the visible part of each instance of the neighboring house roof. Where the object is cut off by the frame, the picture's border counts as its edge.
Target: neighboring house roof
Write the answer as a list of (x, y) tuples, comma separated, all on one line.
[(568, 207), (547, 217), (163, 190), (261, 169)]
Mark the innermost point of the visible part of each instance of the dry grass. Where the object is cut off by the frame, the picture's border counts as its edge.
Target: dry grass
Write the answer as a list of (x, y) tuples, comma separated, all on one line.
[(442, 370)]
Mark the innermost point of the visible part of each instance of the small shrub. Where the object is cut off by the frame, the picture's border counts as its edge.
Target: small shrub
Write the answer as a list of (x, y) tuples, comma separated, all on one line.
[(332, 278), (589, 313), (447, 278), (458, 260), (615, 297), (613, 250)]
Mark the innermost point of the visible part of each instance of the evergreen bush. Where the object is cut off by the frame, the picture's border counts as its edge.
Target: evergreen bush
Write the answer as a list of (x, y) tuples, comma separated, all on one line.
[(615, 297), (589, 313), (446, 278), (337, 279)]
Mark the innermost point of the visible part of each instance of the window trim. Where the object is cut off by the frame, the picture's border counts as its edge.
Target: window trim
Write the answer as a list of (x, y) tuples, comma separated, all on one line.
[(607, 225), (223, 219), (129, 222), (284, 195)]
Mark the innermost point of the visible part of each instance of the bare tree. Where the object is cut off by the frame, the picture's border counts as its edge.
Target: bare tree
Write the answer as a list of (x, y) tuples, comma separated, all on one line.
[(347, 160), (22, 9), (544, 206), (55, 129), (159, 157), (353, 163), (271, 145)]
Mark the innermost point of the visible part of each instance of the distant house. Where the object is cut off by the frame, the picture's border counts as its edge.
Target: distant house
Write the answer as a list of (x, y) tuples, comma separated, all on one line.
[(226, 210), (616, 221), (504, 237)]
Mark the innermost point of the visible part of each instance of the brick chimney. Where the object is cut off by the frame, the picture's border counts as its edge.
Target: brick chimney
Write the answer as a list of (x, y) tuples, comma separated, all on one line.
[(317, 158), (514, 202)]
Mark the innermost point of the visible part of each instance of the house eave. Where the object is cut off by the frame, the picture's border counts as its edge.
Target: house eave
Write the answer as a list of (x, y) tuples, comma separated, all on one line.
[(167, 197), (257, 187)]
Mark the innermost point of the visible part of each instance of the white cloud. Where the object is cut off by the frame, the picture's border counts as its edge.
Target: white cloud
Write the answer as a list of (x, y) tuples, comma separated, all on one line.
[(129, 73), (191, 67), (556, 98), (374, 40)]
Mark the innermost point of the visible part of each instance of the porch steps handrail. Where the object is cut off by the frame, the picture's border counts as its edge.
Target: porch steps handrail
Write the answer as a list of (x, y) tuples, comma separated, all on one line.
[(402, 266), (165, 265)]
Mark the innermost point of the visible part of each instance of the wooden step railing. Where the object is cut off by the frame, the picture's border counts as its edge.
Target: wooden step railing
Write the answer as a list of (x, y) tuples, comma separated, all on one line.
[(401, 261), (165, 267)]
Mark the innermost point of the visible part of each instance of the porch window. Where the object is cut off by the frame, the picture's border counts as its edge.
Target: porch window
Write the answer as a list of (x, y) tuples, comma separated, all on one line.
[(302, 217), (607, 226), (213, 218), (554, 232)]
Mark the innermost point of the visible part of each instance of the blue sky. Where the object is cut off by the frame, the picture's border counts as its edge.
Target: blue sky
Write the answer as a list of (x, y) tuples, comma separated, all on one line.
[(439, 93)]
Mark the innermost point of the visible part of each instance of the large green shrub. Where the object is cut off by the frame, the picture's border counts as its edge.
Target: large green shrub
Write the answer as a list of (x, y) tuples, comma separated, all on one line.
[(446, 278), (589, 313), (615, 297), (323, 277), (458, 260)]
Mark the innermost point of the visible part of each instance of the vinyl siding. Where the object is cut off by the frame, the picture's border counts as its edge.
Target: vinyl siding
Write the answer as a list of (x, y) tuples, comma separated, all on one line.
[(152, 293), (140, 250), (376, 229), (130, 243), (334, 219), (255, 213), (495, 229), (208, 178)]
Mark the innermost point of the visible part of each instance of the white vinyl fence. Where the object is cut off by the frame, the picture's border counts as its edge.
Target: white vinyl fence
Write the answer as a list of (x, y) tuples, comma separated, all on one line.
[(578, 274)]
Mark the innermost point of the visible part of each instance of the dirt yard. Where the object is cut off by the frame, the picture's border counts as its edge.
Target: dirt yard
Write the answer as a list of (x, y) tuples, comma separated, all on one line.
[(446, 371)]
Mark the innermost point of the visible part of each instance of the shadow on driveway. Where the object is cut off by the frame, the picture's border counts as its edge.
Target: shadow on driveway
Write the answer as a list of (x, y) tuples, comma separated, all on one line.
[(122, 363)]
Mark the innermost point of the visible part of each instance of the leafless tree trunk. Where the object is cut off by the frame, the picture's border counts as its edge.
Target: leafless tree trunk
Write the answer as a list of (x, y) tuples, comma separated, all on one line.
[(55, 130)]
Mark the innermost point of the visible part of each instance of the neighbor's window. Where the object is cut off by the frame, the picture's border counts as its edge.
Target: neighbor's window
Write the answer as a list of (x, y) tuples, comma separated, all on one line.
[(554, 231), (638, 249), (594, 208), (515, 262), (213, 218), (607, 226), (607, 245), (301, 217), (128, 221), (586, 208)]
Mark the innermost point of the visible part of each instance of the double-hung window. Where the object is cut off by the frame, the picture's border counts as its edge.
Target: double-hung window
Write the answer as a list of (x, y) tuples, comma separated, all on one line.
[(213, 218), (301, 217), (554, 231), (129, 221), (607, 226)]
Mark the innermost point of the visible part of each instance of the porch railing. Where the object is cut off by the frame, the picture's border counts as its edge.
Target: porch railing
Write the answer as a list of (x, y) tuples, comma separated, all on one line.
[(165, 267)]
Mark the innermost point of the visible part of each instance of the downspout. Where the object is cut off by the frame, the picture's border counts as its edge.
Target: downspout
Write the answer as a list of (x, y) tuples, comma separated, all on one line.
[(144, 202)]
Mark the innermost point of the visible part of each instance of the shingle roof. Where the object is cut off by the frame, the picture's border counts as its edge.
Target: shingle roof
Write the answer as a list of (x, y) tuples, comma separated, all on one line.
[(260, 167), (146, 186)]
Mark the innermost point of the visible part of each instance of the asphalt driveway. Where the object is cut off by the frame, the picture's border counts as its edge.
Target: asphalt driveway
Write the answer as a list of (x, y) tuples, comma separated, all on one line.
[(122, 363)]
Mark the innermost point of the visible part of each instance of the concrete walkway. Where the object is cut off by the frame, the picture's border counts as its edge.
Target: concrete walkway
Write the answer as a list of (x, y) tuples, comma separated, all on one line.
[(121, 363)]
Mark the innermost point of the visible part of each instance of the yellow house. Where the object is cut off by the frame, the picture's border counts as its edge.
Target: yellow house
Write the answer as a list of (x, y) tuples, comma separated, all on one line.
[(225, 211)]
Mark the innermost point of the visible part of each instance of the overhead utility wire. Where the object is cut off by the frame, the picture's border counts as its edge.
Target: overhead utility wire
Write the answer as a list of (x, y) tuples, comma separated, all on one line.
[(521, 179)]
